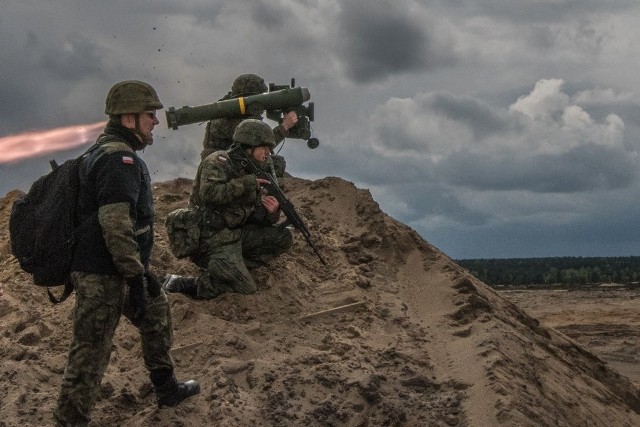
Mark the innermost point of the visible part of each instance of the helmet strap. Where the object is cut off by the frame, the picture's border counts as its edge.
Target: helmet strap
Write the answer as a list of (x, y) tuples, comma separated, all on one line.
[(247, 162)]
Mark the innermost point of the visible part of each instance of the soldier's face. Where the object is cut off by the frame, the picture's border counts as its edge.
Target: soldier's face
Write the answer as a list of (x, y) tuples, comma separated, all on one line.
[(142, 125), (260, 154), (148, 120)]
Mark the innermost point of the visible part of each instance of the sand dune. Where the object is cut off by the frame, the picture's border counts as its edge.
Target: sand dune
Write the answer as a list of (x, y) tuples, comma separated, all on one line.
[(390, 333)]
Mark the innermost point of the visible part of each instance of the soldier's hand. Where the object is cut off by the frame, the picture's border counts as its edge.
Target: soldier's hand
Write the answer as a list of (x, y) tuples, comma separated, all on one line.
[(153, 284), (270, 203), (289, 120), (262, 181), (136, 296)]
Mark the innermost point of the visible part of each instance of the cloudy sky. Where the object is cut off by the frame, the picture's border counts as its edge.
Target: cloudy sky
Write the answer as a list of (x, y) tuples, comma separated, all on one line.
[(495, 128)]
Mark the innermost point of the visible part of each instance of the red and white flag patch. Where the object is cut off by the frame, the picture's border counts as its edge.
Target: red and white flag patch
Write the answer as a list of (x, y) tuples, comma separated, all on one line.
[(127, 160)]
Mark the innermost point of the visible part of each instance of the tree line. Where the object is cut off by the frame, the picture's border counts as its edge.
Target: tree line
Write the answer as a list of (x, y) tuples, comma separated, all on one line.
[(554, 270)]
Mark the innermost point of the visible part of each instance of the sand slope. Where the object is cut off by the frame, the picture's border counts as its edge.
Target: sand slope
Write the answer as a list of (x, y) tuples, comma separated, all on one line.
[(392, 332)]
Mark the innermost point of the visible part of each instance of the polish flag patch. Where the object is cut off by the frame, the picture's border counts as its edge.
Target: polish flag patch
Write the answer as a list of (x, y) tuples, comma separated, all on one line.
[(222, 158), (127, 160)]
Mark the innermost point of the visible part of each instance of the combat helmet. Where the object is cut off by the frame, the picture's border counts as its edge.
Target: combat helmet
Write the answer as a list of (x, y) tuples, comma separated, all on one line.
[(254, 133), (131, 96), (248, 84)]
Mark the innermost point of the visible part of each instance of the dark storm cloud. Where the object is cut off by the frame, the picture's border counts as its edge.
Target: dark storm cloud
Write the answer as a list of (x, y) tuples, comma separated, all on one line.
[(425, 199), (586, 168), (584, 38), (269, 14), (379, 39), (17, 92), (595, 238), (43, 64), (72, 59), (433, 123), (613, 234), (362, 163), (205, 13), (538, 11), (272, 17), (479, 117), (12, 114), (543, 143)]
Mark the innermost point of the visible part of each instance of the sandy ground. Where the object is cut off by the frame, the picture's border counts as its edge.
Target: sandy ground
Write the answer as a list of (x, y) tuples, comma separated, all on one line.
[(604, 319), (391, 333)]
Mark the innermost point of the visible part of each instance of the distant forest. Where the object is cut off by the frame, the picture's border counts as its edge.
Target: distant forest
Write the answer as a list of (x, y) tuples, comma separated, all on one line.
[(554, 270)]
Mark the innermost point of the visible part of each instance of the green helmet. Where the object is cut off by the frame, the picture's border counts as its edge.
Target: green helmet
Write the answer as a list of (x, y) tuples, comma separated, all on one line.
[(248, 84), (131, 96), (254, 133)]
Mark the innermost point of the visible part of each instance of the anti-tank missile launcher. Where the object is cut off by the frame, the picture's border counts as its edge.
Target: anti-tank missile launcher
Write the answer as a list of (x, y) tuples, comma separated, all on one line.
[(276, 102)]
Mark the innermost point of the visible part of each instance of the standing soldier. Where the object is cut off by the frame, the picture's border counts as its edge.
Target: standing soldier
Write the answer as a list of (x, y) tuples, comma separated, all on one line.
[(238, 217), (111, 261), (219, 133)]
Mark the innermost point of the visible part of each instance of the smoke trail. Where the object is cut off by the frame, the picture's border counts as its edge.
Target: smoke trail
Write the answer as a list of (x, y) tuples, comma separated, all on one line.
[(36, 143)]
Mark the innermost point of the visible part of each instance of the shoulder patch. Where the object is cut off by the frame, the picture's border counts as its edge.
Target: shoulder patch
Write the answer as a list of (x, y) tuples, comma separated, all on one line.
[(127, 160), (222, 158)]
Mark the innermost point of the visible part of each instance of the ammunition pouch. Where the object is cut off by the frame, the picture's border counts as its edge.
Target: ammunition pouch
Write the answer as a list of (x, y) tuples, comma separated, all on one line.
[(214, 222), (183, 229)]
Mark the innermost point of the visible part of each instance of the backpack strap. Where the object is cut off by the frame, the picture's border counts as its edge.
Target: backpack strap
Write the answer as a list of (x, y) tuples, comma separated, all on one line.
[(104, 145), (68, 289), (112, 143)]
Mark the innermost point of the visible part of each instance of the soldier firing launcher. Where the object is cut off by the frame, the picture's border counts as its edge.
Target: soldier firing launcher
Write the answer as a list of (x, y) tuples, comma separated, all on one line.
[(278, 101)]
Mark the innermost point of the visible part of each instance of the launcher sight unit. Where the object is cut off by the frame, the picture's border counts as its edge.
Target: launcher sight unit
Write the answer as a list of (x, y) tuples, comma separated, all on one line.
[(279, 100), (302, 129)]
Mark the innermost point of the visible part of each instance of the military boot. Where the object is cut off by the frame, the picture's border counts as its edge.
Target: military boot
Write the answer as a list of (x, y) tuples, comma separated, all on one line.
[(169, 391), (185, 285)]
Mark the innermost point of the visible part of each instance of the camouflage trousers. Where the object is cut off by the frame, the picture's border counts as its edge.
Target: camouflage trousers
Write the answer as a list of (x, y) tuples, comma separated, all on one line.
[(100, 301), (227, 254)]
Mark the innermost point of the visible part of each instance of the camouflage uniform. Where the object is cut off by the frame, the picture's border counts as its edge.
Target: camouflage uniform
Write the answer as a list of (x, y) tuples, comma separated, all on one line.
[(100, 301), (219, 132), (237, 229), (114, 242)]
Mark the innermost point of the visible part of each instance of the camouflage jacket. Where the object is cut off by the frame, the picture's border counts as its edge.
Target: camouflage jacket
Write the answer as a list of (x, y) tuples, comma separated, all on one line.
[(115, 208), (227, 194)]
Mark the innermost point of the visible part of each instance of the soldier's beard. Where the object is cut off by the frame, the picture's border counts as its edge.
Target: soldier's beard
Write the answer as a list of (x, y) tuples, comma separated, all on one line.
[(144, 139)]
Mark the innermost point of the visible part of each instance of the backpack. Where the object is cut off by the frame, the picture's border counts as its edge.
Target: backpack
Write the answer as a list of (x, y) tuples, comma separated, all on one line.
[(42, 227), (183, 231)]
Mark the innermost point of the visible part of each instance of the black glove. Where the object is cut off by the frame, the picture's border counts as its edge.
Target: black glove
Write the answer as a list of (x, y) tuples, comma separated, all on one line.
[(153, 285), (136, 296)]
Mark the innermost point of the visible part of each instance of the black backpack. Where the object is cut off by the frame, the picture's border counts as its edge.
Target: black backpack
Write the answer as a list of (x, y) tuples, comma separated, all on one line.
[(42, 227)]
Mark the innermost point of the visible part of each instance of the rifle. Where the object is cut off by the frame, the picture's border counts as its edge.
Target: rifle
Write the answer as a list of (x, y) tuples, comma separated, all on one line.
[(285, 206)]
